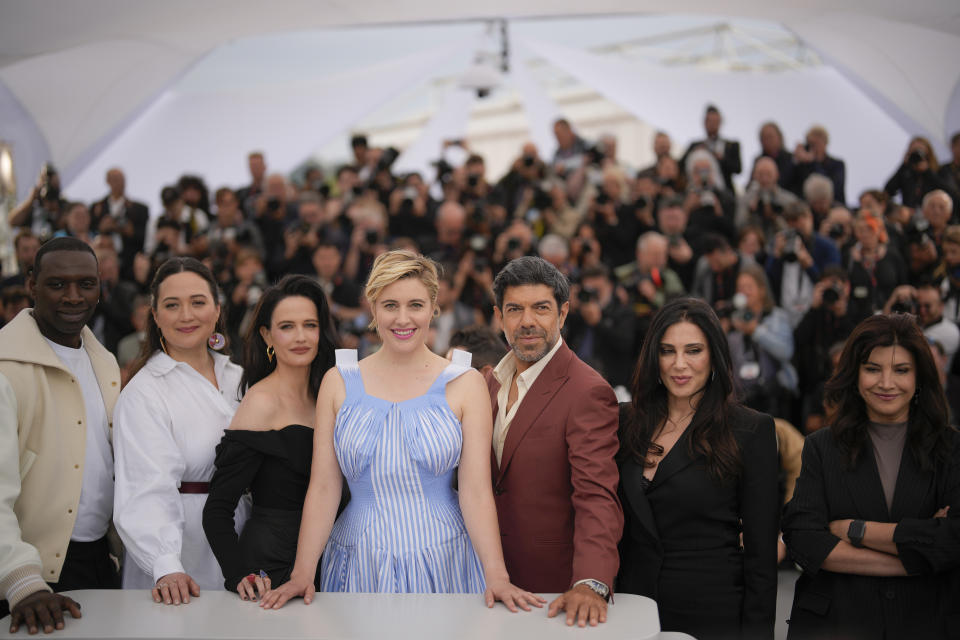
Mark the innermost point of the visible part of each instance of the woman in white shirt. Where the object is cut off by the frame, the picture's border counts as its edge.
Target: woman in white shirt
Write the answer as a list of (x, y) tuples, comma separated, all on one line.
[(167, 423)]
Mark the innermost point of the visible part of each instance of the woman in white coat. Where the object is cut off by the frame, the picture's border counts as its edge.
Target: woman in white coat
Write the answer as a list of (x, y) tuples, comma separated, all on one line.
[(167, 423)]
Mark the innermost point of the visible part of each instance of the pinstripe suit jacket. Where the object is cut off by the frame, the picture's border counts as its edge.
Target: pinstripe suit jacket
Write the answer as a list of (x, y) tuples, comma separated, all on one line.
[(926, 604)]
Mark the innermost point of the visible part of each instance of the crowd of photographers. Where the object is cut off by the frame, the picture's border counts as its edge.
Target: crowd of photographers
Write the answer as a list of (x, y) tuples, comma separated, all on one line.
[(789, 267)]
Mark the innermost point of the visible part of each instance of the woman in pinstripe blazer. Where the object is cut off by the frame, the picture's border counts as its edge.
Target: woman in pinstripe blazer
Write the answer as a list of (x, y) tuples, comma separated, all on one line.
[(870, 521)]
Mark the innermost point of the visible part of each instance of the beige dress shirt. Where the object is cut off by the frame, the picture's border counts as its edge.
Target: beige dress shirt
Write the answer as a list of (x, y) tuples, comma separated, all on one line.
[(504, 373)]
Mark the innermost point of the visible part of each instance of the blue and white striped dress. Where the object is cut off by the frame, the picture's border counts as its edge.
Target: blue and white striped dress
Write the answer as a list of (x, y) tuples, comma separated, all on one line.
[(402, 531)]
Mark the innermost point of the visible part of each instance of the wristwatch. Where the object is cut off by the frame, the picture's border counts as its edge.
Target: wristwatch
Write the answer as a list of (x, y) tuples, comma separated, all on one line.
[(856, 532), (596, 586)]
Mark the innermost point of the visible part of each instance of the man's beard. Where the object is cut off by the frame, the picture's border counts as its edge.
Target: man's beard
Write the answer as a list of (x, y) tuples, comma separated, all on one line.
[(527, 356)]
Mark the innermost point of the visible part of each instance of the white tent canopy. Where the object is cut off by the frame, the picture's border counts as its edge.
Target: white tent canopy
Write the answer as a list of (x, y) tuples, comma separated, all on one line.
[(94, 83)]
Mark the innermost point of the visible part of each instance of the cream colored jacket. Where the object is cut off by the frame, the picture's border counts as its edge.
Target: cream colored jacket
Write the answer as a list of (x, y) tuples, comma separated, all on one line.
[(42, 412)]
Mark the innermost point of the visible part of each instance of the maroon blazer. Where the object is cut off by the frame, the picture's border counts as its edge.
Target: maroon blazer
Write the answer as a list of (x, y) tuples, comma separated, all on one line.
[(556, 485)]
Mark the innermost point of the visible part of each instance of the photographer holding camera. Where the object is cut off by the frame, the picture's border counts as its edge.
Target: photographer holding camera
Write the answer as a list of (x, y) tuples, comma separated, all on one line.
[(764, 201), (811, 158), (43, 209), (949, 273), (827, 322), (608, 212), (838, 226), (917, 175), (924, 301), (409, 208), (761, 345), (122, 217), (709, 205), (600, 329), (875, 268), (726, 153), (798, 257)]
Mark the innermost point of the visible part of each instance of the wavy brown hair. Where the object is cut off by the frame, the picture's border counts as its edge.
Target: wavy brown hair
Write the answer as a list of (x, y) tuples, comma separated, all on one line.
[(710, 433), (928, 421)]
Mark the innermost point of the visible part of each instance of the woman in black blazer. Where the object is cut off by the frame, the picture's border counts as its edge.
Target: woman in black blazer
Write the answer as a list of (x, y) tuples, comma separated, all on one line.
[(698, 485), (875, 517)]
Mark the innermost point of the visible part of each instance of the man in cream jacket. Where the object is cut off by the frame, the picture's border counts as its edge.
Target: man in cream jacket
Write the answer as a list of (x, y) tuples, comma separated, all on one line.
[(58, 386)]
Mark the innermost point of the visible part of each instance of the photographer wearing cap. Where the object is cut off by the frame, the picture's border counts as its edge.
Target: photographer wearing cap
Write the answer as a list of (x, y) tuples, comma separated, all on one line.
[(917, 175), (799, 256), (827, 322)]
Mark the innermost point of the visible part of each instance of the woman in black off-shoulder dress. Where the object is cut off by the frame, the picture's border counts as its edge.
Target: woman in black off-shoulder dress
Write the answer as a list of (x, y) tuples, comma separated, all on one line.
[(269, 446)]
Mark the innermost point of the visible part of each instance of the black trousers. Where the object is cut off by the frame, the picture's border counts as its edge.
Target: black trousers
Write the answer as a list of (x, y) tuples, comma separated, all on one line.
[(87, 565)]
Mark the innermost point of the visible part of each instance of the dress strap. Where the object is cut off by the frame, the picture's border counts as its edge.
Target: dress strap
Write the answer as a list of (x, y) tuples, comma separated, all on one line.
[(459, 365), (461, 357), (349, 368)]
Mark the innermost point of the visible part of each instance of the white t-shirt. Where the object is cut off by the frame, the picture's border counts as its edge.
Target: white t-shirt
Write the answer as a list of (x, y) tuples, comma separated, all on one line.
[(96, 493)]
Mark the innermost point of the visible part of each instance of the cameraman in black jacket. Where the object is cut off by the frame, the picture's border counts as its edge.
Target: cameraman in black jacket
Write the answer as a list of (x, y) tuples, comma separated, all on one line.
[(600, 328), (826, 322)]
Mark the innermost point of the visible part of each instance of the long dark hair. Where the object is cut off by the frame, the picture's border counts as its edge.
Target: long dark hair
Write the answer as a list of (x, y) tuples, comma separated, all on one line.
[(710, 434), (928, 421), (256, 364), (151, 343)]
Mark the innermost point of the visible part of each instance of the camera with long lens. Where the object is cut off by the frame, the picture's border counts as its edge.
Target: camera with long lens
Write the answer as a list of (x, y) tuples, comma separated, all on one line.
[(48, 190), (905, 305), (831, 295), (741, 312), (836, 231), (528, 160), (256, 288), (789, 253), (595, 154), (542, 199), (387, 157), (916, 157), (588, 295), (602, 198)]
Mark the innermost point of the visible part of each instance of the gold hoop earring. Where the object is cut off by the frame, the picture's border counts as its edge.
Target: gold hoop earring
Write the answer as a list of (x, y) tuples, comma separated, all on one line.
[(270, 353), (163, 345)]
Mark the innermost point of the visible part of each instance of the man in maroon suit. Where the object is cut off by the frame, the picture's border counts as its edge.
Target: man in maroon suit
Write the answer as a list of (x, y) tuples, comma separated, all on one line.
[(554, 442)]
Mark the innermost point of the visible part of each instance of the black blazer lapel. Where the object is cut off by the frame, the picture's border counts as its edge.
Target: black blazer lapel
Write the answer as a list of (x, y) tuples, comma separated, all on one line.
[(863, 483), (676, 460), (911, 489), (631, 480)]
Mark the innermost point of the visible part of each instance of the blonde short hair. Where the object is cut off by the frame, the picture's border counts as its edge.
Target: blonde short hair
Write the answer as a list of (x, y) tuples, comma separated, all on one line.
[(391, 266)]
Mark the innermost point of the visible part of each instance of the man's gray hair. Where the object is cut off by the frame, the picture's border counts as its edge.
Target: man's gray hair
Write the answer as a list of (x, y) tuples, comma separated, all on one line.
[(817, 187), (531, 270), (937, 193)]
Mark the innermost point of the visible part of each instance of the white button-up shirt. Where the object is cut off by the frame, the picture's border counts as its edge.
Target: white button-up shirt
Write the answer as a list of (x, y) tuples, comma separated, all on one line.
[(166, 426)]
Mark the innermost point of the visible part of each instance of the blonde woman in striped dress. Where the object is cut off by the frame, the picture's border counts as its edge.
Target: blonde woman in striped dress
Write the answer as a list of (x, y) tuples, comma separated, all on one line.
[(397, 425)]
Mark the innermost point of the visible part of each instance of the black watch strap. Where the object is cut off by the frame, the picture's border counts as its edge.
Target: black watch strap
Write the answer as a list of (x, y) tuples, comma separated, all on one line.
[(856, 531)]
